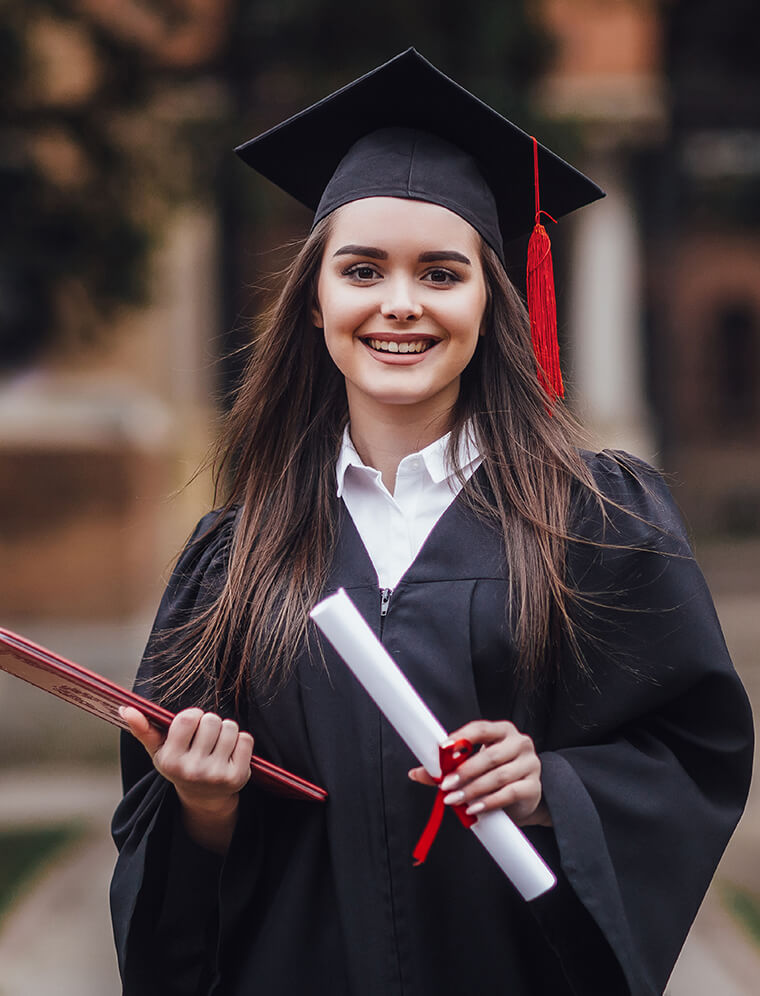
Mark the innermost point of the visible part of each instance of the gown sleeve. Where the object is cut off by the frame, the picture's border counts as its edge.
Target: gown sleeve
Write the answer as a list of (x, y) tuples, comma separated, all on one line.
[(648, 750), (164, 890)]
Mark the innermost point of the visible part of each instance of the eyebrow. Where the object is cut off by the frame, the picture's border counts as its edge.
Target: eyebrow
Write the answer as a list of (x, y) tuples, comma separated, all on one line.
[(434, 256), (361, 251)]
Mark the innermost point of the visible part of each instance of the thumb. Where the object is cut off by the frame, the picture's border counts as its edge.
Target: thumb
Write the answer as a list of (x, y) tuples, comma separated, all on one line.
[(141, 729)]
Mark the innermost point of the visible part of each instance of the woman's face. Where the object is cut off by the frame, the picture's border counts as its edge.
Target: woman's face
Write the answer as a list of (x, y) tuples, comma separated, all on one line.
[(401, 296)]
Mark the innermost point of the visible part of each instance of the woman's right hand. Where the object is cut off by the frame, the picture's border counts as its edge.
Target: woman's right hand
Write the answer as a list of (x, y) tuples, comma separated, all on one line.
[(207, 760)]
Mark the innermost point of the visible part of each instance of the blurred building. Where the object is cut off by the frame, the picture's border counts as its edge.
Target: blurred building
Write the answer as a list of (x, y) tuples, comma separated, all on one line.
[(664, 317)]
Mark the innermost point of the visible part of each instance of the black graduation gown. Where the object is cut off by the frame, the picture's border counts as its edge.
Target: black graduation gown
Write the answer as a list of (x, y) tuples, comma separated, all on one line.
[(645, 764)]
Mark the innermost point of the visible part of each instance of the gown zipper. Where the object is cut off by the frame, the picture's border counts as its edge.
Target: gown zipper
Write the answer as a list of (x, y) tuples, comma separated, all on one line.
[(385, 597)]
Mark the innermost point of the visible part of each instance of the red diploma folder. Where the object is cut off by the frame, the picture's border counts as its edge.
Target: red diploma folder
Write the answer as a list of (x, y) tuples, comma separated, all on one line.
[(101, 697)]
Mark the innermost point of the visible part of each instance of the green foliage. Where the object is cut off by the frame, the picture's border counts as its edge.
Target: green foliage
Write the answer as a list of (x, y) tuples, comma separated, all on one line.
[(23, 852), (75, 175), (745, 906)]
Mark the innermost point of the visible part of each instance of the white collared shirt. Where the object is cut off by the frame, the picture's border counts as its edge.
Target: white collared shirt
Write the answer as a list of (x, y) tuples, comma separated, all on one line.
[(393, 527)]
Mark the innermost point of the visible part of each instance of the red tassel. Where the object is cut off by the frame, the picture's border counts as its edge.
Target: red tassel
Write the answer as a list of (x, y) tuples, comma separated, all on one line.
[(542, 305)]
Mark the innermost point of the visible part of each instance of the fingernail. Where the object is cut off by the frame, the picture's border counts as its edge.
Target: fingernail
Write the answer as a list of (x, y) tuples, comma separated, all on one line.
[(453, 798), (449, 782), (476, 807)]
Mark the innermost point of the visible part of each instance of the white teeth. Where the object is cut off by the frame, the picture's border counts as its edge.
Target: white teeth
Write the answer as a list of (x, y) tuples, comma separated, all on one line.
[(400, 347)]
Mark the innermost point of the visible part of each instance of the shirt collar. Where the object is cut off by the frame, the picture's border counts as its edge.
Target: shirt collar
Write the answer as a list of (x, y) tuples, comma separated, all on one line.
[(348, 457), (434, 457)]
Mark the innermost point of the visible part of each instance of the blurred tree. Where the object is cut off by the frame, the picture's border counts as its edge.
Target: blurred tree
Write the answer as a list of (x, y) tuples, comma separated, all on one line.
[(115, 108), (85, 85)]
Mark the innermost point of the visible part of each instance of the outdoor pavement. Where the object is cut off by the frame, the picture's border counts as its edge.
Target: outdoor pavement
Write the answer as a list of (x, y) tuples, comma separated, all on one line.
[(56, 941)]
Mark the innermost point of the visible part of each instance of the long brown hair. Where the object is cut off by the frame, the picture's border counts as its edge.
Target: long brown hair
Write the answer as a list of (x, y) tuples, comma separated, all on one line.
[(277, 454)]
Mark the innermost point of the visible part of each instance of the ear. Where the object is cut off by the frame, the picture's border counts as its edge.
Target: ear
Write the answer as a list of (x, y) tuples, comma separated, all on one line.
[(316, 316)]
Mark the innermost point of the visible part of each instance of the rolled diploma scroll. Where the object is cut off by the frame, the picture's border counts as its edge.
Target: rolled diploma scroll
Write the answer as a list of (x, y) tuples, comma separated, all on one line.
[(347, 631)]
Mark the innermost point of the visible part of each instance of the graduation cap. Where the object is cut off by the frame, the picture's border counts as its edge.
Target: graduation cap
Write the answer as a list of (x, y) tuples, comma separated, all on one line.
[(407, 130)]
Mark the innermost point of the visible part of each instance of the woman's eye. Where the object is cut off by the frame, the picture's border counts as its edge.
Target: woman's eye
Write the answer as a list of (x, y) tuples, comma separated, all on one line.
[(439, 276), (361, 271)]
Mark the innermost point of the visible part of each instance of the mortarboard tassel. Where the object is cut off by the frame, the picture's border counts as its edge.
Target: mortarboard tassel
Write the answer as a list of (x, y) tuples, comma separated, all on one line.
[(542, 305)]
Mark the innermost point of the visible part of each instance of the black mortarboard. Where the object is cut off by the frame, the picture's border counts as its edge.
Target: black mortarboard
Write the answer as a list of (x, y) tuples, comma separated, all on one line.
[(407, 130), (414, 124)]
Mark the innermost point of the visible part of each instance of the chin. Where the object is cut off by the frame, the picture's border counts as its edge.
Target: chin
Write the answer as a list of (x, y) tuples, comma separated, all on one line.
[(401, 398)]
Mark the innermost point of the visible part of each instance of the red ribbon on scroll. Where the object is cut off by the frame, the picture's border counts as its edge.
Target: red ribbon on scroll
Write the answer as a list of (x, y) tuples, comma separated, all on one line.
[(451, 756)]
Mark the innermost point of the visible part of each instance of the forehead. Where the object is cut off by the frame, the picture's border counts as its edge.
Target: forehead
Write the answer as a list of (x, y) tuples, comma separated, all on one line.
[(388, 222)]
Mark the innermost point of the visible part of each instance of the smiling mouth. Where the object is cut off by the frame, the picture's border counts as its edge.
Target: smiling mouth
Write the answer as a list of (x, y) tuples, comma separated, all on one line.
[(415, 346)]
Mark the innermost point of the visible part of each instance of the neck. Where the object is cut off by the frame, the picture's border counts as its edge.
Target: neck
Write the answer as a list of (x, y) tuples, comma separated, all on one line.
[(384, 434)]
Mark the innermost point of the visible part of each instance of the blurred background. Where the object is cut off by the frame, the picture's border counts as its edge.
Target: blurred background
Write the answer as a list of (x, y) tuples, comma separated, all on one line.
[(135, 249)]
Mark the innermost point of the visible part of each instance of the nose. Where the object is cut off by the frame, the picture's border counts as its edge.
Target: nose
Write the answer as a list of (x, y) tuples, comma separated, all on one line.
[(400, 303)]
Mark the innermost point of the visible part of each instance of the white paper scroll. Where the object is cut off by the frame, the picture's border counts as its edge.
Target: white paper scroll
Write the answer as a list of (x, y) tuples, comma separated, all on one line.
[(347, 631)]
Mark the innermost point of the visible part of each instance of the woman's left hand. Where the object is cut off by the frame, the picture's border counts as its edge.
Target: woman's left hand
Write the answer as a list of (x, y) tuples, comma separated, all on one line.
[(504, 774)]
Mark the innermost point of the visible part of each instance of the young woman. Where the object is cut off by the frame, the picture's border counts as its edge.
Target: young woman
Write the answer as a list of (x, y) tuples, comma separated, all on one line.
[(392, 437)]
